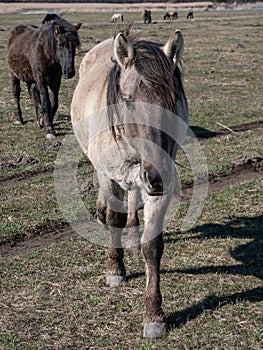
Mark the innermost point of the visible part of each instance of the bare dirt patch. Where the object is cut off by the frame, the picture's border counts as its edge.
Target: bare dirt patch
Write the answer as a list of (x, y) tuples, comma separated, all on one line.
[(244, 169)]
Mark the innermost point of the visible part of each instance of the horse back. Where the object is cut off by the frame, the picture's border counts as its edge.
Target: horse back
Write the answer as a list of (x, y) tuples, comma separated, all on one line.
[(16, 32), (90, 93), (19, 51)]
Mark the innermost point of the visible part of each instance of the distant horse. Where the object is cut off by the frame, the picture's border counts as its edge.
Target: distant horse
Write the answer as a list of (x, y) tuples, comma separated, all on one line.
[(190, 14), (39, 56), (124, 116), (170, 16), (117, 17), (50, 17), (147, 16)]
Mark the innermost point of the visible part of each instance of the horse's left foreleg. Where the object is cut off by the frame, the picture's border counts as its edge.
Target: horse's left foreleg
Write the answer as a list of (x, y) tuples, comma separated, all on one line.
[(152, 250), (46, 108), (154, 319), (53, 94)]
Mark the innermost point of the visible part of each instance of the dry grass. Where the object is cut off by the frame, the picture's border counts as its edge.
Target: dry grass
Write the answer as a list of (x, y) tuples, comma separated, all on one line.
[(55, 297)]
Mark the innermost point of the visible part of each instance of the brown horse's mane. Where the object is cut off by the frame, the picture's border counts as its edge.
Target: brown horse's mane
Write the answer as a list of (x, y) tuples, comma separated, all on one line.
[(158, 85)]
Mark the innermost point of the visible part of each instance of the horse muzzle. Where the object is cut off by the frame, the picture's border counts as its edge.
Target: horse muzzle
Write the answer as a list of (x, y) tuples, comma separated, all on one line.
[(69, 74), (152, 180)]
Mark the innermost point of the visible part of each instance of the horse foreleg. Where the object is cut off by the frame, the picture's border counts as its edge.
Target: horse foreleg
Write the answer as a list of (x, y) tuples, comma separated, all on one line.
[(16, 93), (116, 270), (54, 91), (46, 108), (152, 250), (112, 195), (154, 319)]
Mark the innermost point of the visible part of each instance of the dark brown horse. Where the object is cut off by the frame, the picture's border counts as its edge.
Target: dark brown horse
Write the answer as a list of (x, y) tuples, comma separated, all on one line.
[(129, 113), (147, 16), (170, 16), (39, 56)]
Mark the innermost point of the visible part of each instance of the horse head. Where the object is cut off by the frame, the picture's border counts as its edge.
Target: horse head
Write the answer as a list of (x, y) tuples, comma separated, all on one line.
[(66, 42), (146, 77)]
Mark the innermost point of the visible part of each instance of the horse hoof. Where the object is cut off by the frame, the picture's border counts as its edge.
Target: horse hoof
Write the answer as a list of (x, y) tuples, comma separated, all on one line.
[(40, 123), (115, 281), (154, 330), (18, 122), (50, 136)]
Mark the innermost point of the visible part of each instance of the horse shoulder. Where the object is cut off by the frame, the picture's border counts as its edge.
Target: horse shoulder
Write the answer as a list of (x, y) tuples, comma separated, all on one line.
[(97, 59)]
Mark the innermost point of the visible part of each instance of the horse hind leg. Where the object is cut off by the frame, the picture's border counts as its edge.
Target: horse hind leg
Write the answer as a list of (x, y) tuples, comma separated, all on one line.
[(133, 237), (16, 93)]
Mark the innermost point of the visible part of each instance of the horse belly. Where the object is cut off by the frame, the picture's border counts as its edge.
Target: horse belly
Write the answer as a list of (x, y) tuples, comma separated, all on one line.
[(20, 67), (17, 56)]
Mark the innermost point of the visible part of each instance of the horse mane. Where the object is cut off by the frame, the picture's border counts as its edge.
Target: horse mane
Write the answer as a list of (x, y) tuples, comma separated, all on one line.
[(157, 81), (65, 28)]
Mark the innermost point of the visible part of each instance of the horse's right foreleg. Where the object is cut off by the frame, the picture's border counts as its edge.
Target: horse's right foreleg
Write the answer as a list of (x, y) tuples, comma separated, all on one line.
[(116, 273), (46, 108), (16, 93), (110, 207)]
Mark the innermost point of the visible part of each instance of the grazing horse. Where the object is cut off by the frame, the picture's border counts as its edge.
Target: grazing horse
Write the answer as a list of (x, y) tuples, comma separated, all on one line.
[(117, 17), (190, 14), (170, 16), (147, 16), (129, 113), (39, 56), (50, 17)]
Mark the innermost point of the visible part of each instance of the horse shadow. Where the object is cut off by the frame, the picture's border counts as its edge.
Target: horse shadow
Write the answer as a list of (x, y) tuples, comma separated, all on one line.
[(203, 133), (250, 255)]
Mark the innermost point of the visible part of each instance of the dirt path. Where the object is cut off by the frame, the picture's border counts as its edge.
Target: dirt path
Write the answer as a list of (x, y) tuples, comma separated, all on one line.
[(245, 169)]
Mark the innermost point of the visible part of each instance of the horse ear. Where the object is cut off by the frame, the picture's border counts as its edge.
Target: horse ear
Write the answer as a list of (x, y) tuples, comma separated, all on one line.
[(78, 25), (123, 51), (174, 48)]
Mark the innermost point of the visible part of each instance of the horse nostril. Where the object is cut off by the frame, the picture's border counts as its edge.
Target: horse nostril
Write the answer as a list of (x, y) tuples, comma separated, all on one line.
[(145, 176), (153, 181), (69, 75)]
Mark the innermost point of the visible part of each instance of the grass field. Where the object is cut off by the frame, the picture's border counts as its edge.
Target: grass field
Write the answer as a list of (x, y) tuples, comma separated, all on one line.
[(53, 293)]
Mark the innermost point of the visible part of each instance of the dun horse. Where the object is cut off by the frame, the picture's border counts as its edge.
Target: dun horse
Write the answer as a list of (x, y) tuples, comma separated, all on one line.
[(130, 114), (117, 17), (39, 56)]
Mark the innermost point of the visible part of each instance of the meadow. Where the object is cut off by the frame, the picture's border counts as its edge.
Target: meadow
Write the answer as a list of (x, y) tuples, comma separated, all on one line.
[(53, 293)]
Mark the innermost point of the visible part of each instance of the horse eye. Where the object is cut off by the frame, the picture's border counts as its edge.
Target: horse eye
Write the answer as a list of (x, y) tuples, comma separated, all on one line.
[(127, 99)]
